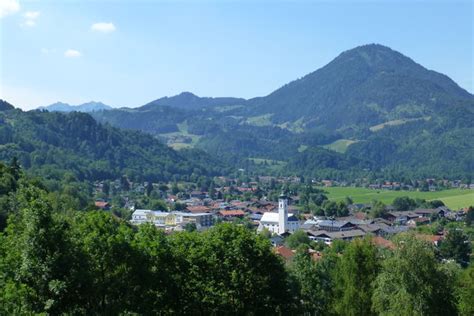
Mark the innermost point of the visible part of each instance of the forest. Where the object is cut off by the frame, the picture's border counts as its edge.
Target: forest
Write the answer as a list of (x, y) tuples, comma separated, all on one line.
[(52, 144)]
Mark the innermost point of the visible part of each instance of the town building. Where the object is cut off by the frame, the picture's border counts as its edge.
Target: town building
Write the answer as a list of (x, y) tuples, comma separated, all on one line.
[(169, 220), (281, 222)]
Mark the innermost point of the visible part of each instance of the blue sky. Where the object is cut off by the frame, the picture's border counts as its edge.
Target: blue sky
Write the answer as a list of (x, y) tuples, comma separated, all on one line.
[(127, 53)]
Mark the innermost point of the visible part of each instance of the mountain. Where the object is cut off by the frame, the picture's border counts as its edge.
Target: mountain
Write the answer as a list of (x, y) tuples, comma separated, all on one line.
[(369, 112), (362, 87), (189, 101), (51, 144), (85, 107), (5, 106)]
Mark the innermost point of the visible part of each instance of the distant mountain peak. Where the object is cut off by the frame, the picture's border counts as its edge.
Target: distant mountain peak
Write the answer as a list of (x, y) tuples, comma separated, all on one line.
[(5, 106), (91, 106), (364, 85), (187, 94), (189, 101)]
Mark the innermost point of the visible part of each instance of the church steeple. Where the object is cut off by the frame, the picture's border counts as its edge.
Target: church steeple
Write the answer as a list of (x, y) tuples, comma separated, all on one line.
[(282, 213)]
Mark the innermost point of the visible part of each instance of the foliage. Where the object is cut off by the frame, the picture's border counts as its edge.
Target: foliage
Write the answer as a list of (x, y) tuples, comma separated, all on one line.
[(411, 282), (466, 292), (378, 210), (404, 203), (296, 239), (311, 283), (356, 272), (456, 246)]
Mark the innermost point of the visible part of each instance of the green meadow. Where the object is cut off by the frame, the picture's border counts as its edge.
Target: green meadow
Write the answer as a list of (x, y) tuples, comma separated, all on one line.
[(453, 198)]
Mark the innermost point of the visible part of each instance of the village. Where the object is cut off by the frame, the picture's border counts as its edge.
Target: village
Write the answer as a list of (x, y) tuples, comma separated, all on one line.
[(281, 207)]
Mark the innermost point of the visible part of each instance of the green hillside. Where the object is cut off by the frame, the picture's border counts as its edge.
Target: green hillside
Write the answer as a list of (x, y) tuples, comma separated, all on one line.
[(51, 144)]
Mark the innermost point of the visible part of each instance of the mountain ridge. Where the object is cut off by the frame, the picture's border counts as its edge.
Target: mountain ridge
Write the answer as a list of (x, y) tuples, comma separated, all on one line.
[(393, 116), (91, 106), (369, 75), (190, 101)]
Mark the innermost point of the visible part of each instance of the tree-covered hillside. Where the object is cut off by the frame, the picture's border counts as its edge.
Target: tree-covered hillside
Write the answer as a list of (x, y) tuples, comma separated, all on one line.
[(362, 87), (51, 143)]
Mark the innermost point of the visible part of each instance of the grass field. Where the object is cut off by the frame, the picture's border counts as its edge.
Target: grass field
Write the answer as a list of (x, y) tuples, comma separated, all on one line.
[(340, 145), (261, 120), (453, 198), (274, 165), (182, 139), (396, 122)]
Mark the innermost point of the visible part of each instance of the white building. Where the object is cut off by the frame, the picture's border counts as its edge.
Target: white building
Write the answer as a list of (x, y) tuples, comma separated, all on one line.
[(171, 219), (281, 222)]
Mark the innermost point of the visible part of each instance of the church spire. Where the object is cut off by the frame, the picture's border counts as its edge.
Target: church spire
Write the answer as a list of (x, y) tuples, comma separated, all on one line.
[(282, 213)]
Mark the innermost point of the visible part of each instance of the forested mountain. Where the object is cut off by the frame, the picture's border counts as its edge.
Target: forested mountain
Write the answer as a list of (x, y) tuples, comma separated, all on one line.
[(52, 144), (5, 106), (371, 110), (91, 106), (189, 101), (362, 87)]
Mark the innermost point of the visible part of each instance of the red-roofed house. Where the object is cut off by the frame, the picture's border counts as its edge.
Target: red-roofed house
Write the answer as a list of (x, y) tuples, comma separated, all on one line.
[(231, 214), (102, 205), (285, 252), (382, 242), (198, 209)]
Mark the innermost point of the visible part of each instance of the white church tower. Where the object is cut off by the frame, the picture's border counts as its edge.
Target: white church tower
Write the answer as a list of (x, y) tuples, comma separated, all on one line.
[(282, 214)]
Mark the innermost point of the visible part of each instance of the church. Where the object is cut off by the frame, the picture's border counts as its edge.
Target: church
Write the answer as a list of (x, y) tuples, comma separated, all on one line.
[(281, 222)]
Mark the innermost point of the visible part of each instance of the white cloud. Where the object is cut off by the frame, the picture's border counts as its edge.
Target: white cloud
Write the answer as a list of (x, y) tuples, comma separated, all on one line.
[(30, 18), (28, 23), (103, 27), (9, 7), (72, 53), (31, 15)]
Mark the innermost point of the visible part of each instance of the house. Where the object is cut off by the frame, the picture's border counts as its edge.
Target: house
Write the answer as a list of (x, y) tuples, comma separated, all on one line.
[(418, 221), (255, 217), (434, 239), (277, 240), (329, 237), (231, 214), (383, 243), (334, 225), (201, 220), (310, 224), (393, 230), (327, 183), (375, 228), (315, 255), (401, 218), (284, 252), (198, 209), (440, 212), (102, 205), (280, 222)]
